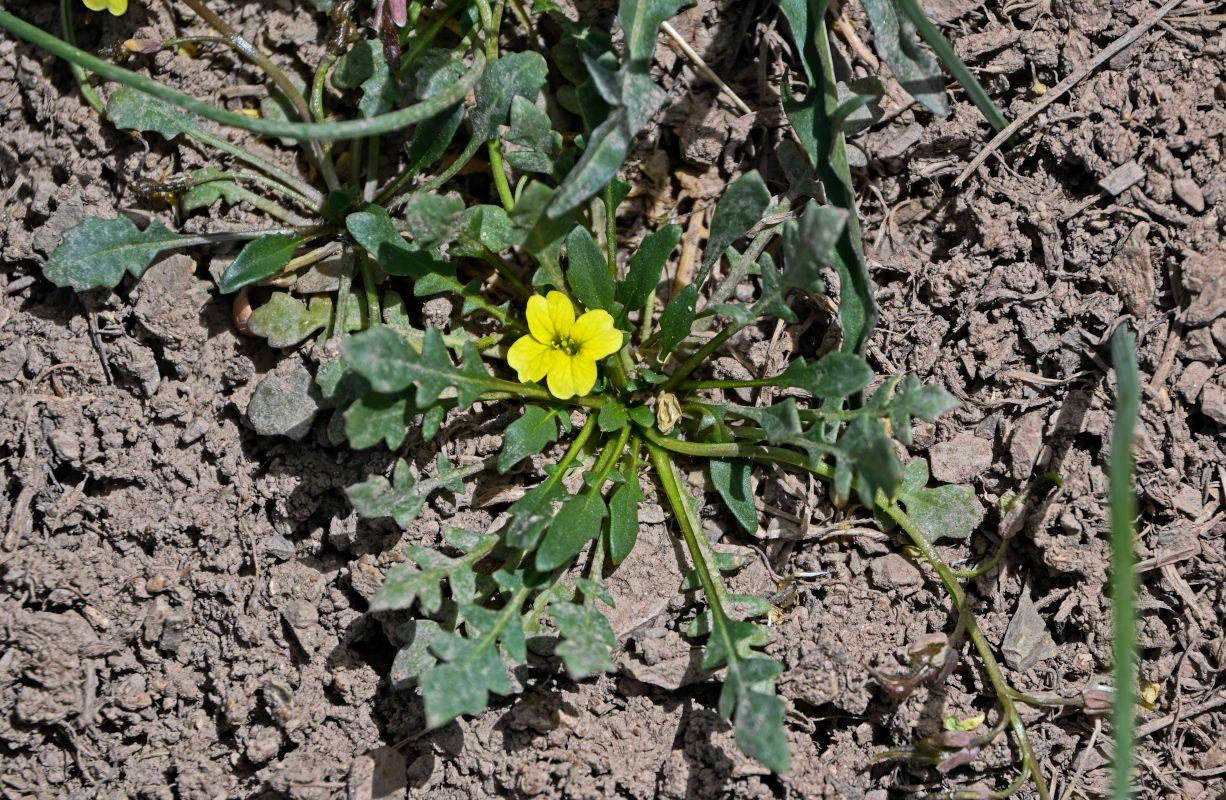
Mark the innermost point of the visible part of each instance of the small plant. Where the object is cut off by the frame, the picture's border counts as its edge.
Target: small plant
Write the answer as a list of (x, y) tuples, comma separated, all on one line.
[(553, 325)]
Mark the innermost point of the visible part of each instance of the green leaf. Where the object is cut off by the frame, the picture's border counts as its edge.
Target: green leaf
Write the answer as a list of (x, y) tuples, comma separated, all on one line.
[(677, 318), (284, 321), (640, 21), (867, 448), (206, 191), (261, 258), (647, 265), (96, 253), (375, 418), (759, 727), (914, 399), (587, 637), (914, 67), (588, 272), (131, 109), (532, 130), (398, 499), (642, 415), (612, 416), (577, 523), (365, 65), (743, 205), (540, 234), (809, 245), (386, 359), (532, 513), (418, 579), (513, 75), (483, 228), (438, 70), (733, 479), (779, 421), (432, 219), (414, 657), (835, 374), (528, 436), (463, 685), (624, 519), (609, 143), (951, 511)]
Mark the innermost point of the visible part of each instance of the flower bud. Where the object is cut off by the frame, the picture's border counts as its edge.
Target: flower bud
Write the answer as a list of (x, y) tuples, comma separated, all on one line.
[(1098, 699), (142, 46)]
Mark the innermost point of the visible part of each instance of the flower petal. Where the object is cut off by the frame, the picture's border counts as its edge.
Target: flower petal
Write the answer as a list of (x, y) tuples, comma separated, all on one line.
[(95, 5), (531, 359), (538, 320), (561, 314), (571, 375), (595, 335), (118, 7)]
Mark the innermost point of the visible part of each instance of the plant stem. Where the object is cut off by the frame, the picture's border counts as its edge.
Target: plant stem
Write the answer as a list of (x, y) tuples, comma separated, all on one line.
[(70, 36), (974, 90), (995, 676), (500, 175), (282, 81), (374, 315), (300, 131), (1123, 574), (610, 228), (694, 361)]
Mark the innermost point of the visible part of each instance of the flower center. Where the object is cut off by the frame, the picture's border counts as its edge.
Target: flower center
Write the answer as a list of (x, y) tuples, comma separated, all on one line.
[(566, 344)]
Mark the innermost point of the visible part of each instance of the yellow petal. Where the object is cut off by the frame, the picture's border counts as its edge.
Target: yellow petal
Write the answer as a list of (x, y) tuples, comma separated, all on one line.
[(117, 7), (538, 319), (571, 375), (531, 359), (595, 335), (561, 314), (95, 5)]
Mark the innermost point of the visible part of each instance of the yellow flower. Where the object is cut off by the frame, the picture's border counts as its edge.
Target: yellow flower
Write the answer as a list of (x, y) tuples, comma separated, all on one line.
[(116, 7), (561, 348)]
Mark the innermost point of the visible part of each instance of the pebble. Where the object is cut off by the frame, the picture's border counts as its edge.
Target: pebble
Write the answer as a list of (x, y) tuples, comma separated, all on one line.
[(1187, 191), (1213, 403), (894, 572), (961, 459)]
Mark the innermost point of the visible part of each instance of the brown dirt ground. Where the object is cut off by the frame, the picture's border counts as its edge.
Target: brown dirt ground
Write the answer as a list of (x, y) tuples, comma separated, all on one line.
[(182, 602)]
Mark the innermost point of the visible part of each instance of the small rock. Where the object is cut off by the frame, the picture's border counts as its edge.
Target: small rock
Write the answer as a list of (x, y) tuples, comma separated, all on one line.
[(1193, 378), (1026, 444), (1131, 273), (279, 547), (65, 444), (961, 459), (894, 572), (263, 742), (1122, 177), (1219, 333), (651, 513), (1213, 403), (1187, 501), (1198, 346), (1026, 641), (285, 402), (1204, 277), (1187, 191), (12, 359)]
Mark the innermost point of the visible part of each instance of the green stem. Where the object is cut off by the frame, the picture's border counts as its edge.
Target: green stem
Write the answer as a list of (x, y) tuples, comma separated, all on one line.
[(70, 36), (954, 589), (974, 90), (500, 175), (694, 361), (250, 52), (1123, 574), (610, 227), (300, 131), (374, 315), (775, 455), (983, 569)]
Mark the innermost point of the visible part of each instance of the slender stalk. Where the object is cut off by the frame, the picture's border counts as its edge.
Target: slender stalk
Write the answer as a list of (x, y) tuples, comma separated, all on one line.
[(299, 131), (610, 228), (694, 361), (982, 646), (374, 314), (500, 175), (974, 90), (1123, 573), (250, 52), (70, 36), (295, 186)]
